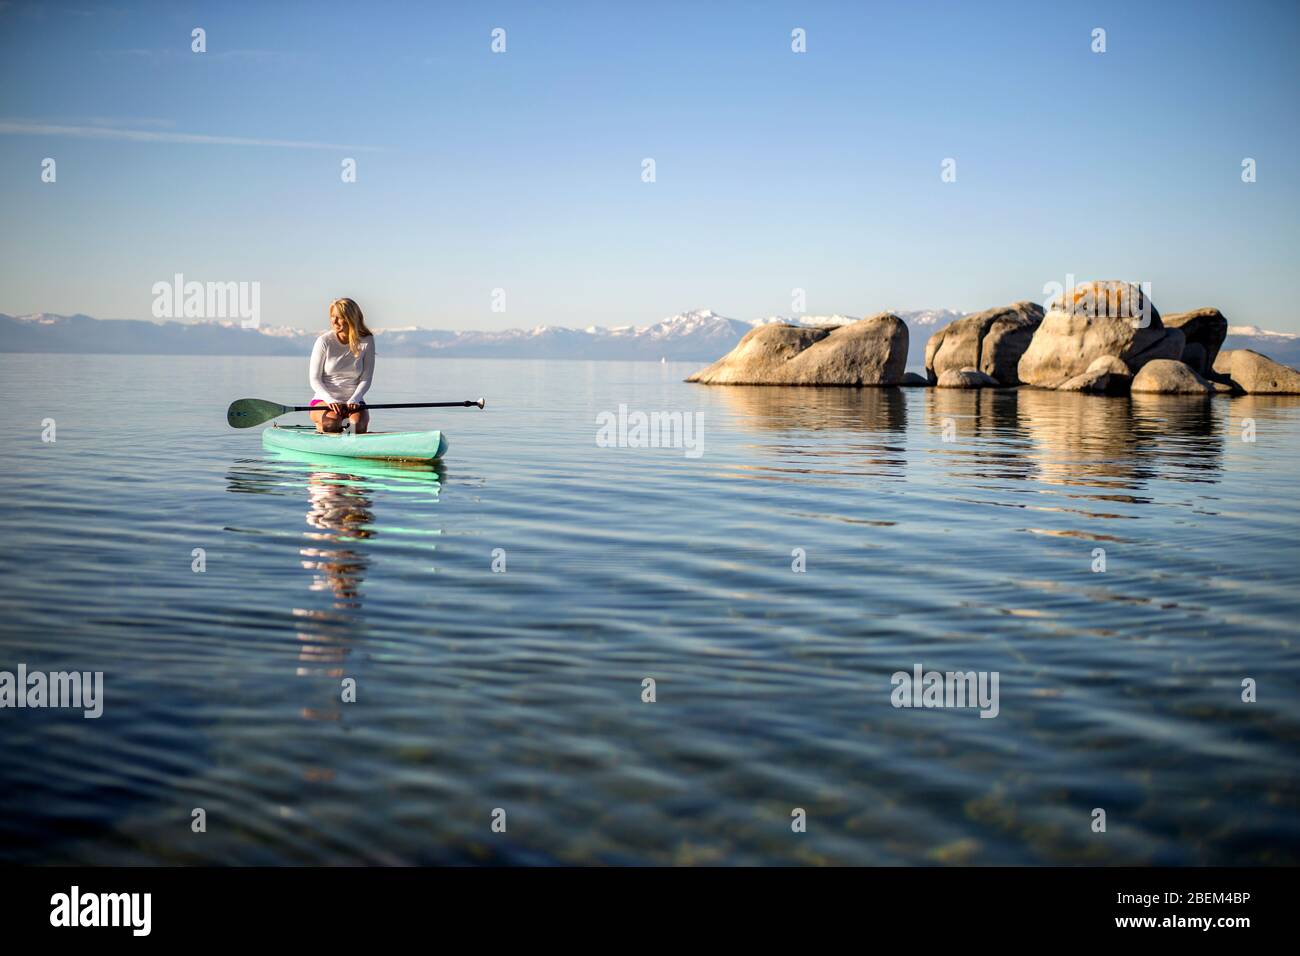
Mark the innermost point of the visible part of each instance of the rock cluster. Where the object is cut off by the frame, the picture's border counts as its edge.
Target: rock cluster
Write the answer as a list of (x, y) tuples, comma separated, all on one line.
[(1091, 321), (966, 378), (1101, 338), (1204, 331), (871, 351), (1105, 375), (1171, 378), (1256, 374), (990, 342)]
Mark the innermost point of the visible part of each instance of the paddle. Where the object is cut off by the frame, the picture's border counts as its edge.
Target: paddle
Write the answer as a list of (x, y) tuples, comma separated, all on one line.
[(248, 412)]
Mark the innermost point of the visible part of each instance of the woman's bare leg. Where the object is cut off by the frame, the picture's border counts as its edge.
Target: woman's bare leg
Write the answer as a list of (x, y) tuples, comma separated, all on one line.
[(326, 421), (360, 421)]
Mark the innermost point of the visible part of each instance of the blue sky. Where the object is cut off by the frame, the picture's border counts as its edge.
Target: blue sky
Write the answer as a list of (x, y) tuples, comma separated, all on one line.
[(522, 170)]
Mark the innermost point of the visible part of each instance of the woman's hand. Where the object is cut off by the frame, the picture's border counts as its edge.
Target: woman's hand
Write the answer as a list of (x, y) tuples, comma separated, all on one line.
[(339, 409), (355, 408)]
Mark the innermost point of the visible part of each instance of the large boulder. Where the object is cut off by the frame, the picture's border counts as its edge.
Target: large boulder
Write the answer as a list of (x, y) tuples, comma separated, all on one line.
[(1170, 378), (1206, 328), (966, 378), (1105, 375), (871, 351), (1257, 374), (1092, 320), (991, 341)]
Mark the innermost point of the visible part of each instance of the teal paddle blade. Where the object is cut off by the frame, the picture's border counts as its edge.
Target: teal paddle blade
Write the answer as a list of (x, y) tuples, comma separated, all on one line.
[(248, 412)]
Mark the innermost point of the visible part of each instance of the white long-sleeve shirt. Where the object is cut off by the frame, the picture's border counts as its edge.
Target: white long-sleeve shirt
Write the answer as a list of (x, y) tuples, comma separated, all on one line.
[(336, 374)]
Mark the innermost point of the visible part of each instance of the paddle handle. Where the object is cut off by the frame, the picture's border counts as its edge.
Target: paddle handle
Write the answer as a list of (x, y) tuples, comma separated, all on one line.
[(475, 404)]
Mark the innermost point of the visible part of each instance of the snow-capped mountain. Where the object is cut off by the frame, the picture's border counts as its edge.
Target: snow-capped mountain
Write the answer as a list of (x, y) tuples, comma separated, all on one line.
[(930, 319), (692, 336), (701, 335), (1281, 347)]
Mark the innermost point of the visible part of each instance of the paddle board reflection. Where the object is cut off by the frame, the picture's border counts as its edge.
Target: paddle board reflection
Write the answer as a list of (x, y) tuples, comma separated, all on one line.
[(341, 517), (337, 548)]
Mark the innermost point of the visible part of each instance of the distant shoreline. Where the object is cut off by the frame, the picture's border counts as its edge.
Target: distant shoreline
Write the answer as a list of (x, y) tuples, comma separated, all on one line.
[(458, 357), (700, 336)]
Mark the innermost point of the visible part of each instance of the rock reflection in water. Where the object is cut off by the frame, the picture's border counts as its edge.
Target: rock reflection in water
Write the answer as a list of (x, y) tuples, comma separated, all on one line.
[(979, 432), (1064, 438), (874, 420), (1264, 413), (813, 409)]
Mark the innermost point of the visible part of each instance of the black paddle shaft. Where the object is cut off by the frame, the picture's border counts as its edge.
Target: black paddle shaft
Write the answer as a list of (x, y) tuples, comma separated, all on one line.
[(478, 404)]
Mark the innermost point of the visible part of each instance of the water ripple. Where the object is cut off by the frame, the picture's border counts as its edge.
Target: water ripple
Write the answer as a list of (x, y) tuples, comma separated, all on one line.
[(771, 586)]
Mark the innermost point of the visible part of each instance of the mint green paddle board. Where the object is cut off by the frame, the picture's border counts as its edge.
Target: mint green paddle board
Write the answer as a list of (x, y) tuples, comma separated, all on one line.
[(407, 446)]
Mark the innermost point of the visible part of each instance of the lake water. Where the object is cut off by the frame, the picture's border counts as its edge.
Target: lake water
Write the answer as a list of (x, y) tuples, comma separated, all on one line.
[(522, 689)]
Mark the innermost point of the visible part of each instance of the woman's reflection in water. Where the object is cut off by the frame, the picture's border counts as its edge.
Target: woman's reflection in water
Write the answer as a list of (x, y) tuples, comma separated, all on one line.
[(336, 550), (341, 512)]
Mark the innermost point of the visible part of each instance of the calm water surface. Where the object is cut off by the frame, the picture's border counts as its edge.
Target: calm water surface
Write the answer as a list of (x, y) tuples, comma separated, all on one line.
[(522, 690)]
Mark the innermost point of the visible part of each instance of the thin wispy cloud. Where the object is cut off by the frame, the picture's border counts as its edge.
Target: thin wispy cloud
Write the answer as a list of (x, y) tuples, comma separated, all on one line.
[(121, 122), (184, 53), (157, 136)]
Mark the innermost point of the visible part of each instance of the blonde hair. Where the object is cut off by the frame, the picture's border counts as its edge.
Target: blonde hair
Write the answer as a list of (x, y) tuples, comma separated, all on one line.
[(350, 313)]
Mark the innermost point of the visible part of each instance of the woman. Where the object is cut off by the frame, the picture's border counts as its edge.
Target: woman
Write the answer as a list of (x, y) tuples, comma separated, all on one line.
[(342, 367)]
